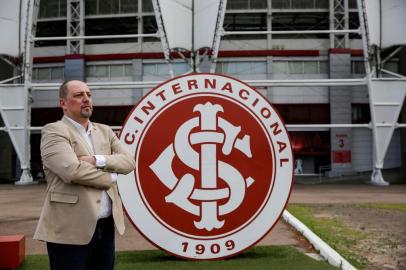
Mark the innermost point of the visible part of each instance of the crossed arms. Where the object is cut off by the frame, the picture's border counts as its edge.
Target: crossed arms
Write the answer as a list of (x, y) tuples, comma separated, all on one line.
[(59, 157)]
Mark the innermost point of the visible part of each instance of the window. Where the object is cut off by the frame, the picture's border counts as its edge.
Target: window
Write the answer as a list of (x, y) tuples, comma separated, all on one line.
[(245, 22), (128, 6), (47, 73), (111, 26), (358, 67), (299, 67), (162, 69), (361, 114), (241, 68), (147, 6), (51, 29), (282, 21), (57, 73), (300, 4), (109, 71), (246, 4), (99, 7), (304, 113), (52, 8), (108, 7), (149, 27)]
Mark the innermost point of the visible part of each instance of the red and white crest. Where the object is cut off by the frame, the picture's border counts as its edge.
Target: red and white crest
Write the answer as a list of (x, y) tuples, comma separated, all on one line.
[(213, 166)]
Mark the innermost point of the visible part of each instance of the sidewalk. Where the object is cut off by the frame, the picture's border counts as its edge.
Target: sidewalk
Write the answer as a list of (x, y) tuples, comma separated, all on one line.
[(20, 207)]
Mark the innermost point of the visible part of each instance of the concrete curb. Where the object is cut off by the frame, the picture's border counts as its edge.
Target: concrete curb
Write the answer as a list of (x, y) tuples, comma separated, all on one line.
[(325, 250)]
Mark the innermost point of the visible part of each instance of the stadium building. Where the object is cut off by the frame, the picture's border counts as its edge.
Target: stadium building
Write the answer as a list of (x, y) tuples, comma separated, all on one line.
[(262, 40)]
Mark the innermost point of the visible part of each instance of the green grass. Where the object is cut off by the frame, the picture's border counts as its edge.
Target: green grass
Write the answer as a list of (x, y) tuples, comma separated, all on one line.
[(274, 257), (334, 232), (391, 207)]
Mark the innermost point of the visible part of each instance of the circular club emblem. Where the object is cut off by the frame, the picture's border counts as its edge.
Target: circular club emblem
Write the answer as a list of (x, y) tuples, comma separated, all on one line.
[(213, 166)]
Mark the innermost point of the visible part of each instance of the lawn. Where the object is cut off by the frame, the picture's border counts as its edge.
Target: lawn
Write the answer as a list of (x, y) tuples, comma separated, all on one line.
[(274, 257), (333, 231)]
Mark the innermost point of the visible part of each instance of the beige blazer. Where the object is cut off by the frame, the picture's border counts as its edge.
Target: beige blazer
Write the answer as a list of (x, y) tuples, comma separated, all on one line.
[(72, 201)]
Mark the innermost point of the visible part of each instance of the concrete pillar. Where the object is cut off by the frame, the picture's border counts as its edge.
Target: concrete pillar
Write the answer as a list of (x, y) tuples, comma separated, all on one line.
[(340, 113), (6, 147), (402, 70), (269, 92), (137, 77), (75, 67)]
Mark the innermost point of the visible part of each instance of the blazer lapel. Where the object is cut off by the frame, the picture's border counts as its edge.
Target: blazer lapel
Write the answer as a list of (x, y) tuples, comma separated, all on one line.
[(78, 135), (97, 139)]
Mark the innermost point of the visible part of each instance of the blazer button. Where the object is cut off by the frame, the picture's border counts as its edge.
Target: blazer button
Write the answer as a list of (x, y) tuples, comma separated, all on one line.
[(98, 201)]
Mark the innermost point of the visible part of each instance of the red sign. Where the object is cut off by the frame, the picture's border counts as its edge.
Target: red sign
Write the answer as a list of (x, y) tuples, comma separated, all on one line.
[(341, 156)]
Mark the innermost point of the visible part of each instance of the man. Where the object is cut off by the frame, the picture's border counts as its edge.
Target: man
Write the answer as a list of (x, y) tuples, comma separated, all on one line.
[(81, 160)]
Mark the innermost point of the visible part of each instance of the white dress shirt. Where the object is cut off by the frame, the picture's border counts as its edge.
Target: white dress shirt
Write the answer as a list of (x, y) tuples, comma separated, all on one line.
[(105, 201)]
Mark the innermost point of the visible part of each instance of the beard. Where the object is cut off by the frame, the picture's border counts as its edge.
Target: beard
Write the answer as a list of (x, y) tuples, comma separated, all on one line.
[(86, 113)]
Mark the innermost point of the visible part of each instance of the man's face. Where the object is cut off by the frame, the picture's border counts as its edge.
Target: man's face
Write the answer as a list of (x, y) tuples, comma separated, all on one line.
[(78, 103)]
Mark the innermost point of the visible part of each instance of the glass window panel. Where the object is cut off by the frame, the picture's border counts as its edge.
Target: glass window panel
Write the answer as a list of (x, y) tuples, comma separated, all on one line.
[(116, 71), (149, 25), (162, 69), (57, 73), (280, 3), (302, 3), (147, 6), (91, 7), (128, 70), (352, 3), (295, 67), (245, 22), (129, 6), (218, 68), (257, 4), (258, 68), (62, 8), (358, 67), (101, 71), (323, 67), (310, 67), (279, 67), (237, 4), (43, 9), (35, 74), (43, 74), (180, 68), (108, 6), (243, 68), (89, 71), (392, 66), (150, 69), (321, 4), (230, 68), (49, 8)]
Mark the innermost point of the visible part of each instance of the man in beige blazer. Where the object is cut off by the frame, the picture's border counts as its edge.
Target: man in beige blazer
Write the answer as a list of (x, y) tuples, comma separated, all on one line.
[(81, 161)]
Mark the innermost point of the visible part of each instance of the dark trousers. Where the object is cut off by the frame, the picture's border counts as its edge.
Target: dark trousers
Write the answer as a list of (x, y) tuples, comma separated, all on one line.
[(97, 255)]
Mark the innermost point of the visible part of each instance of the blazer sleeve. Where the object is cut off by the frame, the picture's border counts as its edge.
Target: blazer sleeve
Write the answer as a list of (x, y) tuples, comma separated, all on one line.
[(59, 157), (120, 161)]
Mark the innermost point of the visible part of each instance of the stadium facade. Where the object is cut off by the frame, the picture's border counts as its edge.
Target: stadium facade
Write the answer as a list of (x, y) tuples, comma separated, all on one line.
[(334, 151)]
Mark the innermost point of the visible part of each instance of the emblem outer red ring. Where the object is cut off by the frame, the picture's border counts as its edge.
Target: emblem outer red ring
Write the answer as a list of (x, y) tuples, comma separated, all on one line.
[(243, 238)]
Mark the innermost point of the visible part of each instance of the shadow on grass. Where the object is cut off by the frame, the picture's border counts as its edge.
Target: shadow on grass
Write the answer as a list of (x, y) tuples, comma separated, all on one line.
[(274, 257)]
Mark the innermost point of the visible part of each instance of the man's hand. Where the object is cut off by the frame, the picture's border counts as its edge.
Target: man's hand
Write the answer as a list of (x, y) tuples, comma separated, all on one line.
[(88, 159)]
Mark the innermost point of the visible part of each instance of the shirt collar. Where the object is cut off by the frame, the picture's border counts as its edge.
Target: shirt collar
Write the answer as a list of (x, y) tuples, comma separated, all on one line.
[(79, 126)]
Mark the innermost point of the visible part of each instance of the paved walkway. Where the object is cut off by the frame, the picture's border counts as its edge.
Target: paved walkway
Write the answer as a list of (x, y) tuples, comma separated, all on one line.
[(20, 207)]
